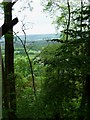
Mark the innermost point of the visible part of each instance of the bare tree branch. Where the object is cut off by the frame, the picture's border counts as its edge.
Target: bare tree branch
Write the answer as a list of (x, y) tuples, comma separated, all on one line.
[(14, 2), (30, 62), (5, 27)]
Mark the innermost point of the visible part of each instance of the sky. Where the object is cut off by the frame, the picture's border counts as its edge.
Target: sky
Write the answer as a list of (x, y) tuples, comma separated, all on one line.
[(36, 21)]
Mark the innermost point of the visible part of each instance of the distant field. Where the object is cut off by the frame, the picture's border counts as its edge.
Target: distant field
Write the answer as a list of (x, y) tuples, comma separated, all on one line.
[(34, 43)]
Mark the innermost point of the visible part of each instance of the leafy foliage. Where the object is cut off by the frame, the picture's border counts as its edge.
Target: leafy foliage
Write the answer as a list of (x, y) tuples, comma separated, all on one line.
[(66, 67), (60, 70)]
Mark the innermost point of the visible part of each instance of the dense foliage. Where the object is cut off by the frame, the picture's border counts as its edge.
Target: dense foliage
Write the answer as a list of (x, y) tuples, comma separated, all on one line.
[(60, 69), (64, 66), (67, 66)]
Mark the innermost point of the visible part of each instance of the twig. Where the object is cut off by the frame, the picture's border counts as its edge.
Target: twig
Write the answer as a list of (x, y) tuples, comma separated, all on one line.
[(30, 63)]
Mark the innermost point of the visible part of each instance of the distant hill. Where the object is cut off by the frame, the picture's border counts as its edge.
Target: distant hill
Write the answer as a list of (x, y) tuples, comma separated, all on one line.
[(37, 41), (38, 37)]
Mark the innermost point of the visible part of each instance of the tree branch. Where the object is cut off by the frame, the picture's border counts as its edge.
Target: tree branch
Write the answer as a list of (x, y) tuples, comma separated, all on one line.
[(14, 2), (5, 27), (68, 19), (30, 63)]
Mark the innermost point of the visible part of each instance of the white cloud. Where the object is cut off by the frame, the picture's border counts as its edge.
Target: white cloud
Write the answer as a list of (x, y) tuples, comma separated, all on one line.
[(36, 21), (40, 23)]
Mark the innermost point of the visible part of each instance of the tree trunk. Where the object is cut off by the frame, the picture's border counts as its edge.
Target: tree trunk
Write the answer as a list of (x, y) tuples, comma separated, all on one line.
[(9, 87)]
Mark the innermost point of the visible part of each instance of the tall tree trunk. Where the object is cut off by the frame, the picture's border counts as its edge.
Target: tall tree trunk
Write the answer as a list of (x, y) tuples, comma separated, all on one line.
[(9, 88)]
